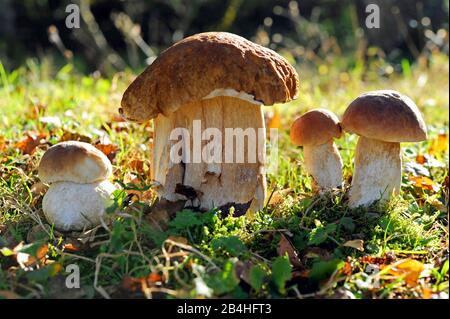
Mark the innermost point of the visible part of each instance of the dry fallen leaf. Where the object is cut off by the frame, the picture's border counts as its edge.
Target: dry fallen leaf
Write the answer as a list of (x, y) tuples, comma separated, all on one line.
[(70, 136), (424, 183), (110, 150), (409, 269), (356, 243), (346, 269), (70, 247), (439, 144), (436, 203), (386, 259), (38, 188), (278, 196), (273, 119), (29, 143), (3, 143), (285, 247), (421, 159), (426, 293)]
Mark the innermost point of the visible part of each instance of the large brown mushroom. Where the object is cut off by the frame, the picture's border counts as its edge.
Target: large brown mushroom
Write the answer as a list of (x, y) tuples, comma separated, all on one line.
[(383, 119), (315, 131), (213, 82)]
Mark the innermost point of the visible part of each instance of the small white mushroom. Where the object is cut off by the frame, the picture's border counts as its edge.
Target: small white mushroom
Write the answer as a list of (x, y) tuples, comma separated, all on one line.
[(383, 119), (79, 191), (315, 131)]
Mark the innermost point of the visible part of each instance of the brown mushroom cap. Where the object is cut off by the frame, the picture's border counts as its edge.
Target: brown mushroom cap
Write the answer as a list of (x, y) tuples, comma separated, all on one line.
[(385, 115), (315, 127), (195, 66), (73, 161)]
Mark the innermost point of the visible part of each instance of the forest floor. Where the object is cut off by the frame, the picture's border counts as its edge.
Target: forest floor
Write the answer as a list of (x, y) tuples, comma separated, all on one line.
[(300, 246)]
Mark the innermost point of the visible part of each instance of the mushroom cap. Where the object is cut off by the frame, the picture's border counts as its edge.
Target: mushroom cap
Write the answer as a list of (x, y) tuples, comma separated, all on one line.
[(315, 127), (194, 67), (72, 206), (385, 115), (73, 161)]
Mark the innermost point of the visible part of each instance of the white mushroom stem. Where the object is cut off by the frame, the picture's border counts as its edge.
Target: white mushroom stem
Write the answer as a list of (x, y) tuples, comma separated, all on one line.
[(216, 184), (377, 173), (323, 162), (72, 206)]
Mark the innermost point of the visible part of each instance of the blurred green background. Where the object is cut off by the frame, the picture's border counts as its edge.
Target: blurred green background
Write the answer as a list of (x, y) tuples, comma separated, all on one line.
[(116, 34)]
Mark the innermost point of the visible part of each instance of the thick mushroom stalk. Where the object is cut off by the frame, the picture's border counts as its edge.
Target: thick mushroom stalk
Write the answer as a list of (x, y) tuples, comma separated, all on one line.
[(206, 169), (315, 131), (323, 162), (378, 172), (383, 119), (208, 85)]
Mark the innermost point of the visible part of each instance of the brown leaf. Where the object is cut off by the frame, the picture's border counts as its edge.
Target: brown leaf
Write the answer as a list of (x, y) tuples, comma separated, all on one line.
[(286, 247), (375, 260), (130, 283), (137, 165), (356, 243), (71, 136), (421, 159), (38, 189), (25, 260), (110, 150), (154, 278), (29, 143), (347, 269), (278, 196), (71, 247)]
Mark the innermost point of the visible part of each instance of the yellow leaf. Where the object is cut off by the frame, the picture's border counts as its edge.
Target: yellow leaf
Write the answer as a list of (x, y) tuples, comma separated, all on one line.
[(439, 144), (426, 293), (424, 182), (274, 120), (408, 269)]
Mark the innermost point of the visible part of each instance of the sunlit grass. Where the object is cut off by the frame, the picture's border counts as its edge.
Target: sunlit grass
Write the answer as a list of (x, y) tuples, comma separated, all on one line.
[(413, 224)]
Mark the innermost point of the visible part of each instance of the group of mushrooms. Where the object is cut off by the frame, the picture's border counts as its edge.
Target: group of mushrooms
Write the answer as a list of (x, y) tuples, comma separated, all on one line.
[(223, 80)]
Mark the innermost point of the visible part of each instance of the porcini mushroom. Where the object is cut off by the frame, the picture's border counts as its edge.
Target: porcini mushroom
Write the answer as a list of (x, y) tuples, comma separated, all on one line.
[(315, 131), (383, 119), (221, 80), (79, 191)]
